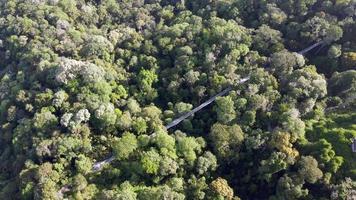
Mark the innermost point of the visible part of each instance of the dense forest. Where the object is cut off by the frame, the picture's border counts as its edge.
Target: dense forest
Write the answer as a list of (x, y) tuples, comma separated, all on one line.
[(87, 88)]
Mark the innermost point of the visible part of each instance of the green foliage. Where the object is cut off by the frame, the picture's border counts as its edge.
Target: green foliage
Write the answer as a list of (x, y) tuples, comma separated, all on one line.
[(188, 147), (343, 84), (150, 162), (332, 137), (206, 162), (125, 146), (268, 40), (87, 88), (44, 120), (308, 169), (226, 140), (344, 190), (349, 60), (284, 62), (221, 188), (290, 188), (225, 109), (275, 163), (83, 164)]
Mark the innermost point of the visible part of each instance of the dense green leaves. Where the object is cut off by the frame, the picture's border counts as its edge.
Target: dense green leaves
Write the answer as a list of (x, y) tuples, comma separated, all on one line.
[(226, 140), (87, 87)]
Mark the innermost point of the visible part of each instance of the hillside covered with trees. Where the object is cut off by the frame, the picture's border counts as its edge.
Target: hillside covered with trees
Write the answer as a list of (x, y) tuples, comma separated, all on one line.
[(87, 88)]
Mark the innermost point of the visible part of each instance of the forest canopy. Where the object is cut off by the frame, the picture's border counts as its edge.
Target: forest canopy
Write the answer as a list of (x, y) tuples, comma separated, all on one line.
[(87, 88)]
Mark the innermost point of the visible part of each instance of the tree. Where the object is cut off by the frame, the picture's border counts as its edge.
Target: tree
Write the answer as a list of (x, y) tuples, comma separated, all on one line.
[(188, 147), (319, 28), (275, 163), (59, 98), (152, 113), (125, 146), (133, 106), (290, 120), (161, 192), (191, 76), (323, 151), (46, 187), (308, 169), (125, 191), (306, 85), (221, 188), (299, 8), (267, 40), (69, 69), (140, 125), (150, 162), (97, 45), (206, 162), (45, 120), (272, 15), (124, 122), (285, 62), (290, 188), (197, 187), (182, 107), (83, 164), (282, 142), (106, 115), (342, 83), (146, 78), (225, 109), (348, 60), (226, 140), (334, 51), (165, 143), (168, 166), (85, 84), (336, 149), (79, 182), (344, 190), (333, 33), (46, 190)]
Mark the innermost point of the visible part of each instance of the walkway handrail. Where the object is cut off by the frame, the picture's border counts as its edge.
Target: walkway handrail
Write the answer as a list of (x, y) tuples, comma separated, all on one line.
[(304, 51), (201, 106)]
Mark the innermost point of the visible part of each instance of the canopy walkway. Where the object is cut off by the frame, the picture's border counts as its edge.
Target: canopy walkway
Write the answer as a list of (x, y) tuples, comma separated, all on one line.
[(201, 106), (304, 51), (98, 165)]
